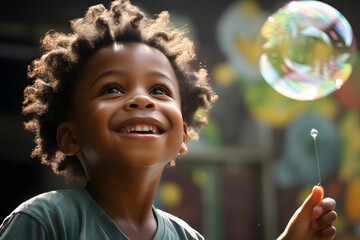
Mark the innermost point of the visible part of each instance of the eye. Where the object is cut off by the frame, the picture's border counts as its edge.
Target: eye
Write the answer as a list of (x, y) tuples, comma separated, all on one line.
[(160, 90), (111, 89)]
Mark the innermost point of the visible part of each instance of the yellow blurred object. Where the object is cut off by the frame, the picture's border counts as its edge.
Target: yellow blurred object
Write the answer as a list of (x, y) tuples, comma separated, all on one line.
[(349, 130), (247, 47), (224, 75), (276, 110), (246, 44), (200, 177), (352, 206), (250, 8), (270, 107), (326, 107), (170, 194)]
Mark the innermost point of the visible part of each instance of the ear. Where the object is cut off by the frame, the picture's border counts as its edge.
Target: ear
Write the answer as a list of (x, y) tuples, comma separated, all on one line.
[(66, 138), (185, 142)]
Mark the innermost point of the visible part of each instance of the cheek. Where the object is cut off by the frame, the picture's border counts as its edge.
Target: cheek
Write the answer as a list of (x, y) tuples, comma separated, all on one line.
[(173, 112), (94, 140), (175, 117), (93, 126)]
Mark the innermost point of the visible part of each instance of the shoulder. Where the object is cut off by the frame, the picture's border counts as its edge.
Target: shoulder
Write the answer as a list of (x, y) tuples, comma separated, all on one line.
[(45, 212), (53, 197), (46, 203), (173, 224), (22, 226)]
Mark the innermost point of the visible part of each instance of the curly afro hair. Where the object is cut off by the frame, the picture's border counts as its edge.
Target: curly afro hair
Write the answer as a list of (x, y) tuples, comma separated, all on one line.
[(55, 73)]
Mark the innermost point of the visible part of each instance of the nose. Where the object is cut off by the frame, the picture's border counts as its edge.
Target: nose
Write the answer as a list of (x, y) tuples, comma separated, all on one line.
[(142, 102)]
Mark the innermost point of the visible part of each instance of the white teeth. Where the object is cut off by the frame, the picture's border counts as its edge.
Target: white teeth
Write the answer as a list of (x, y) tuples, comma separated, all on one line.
[(141, 128)]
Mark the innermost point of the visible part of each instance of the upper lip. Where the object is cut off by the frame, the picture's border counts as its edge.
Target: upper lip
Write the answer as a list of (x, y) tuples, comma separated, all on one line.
[(141, 121)]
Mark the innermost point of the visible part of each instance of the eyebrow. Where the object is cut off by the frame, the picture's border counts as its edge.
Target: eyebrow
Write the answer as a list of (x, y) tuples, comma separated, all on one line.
[(118, 72), (106, 73)]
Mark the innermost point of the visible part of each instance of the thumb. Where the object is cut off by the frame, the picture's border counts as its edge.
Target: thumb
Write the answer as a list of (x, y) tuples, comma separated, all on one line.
[(313, 199)]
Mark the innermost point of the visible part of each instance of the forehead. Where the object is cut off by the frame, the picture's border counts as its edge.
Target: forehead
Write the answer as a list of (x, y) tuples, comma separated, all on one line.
[(130, 57)]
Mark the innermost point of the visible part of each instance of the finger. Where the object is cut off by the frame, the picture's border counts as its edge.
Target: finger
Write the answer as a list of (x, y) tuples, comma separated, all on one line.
[(326, 219), (326, 205), (314, 199), (327, 233)]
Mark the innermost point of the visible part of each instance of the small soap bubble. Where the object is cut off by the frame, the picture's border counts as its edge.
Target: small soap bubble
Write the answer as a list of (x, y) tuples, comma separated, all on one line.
[(314, 133), (307, 50)]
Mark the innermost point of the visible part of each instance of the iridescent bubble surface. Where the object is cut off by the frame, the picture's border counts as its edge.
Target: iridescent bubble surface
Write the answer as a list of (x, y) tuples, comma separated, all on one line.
[(307, 50)]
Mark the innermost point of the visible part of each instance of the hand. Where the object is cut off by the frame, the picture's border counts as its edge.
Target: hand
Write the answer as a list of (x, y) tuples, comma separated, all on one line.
[(313, 220)]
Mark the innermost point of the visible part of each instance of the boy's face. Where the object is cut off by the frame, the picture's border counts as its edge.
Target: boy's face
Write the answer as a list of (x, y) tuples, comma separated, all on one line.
[(127, 109)]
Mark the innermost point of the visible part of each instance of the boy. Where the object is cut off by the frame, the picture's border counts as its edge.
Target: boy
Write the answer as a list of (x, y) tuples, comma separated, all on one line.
[(114, 103)]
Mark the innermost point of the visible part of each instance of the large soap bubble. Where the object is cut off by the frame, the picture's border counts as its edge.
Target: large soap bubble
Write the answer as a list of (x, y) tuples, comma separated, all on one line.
[(307, 50)]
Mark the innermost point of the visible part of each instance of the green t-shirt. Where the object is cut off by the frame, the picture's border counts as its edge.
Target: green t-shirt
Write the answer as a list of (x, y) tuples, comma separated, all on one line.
[(73, 214)]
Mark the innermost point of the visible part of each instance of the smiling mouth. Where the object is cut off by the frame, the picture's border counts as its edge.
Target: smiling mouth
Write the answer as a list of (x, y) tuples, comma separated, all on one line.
[(141, 129)]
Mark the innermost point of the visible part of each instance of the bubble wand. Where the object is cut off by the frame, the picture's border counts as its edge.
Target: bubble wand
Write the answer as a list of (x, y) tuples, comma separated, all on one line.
[(314, 134)]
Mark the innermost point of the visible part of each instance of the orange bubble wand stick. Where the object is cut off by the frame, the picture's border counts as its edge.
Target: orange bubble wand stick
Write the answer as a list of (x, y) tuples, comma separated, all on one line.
[(314, 134)]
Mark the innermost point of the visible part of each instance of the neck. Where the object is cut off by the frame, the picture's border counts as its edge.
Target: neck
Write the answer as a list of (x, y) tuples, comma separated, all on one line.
[(127, 197)]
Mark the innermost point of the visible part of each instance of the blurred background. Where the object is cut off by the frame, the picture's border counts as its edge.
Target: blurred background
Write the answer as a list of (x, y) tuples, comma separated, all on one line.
[(254, 163)]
